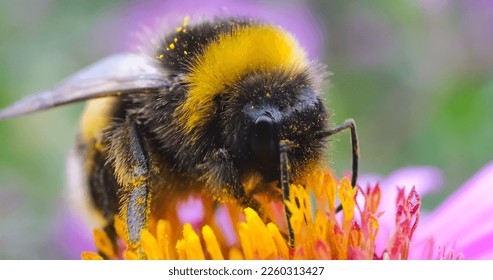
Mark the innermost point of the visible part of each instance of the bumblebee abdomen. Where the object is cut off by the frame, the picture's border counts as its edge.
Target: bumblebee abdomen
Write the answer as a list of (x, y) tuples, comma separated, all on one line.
[(96, 118), (91, 180)]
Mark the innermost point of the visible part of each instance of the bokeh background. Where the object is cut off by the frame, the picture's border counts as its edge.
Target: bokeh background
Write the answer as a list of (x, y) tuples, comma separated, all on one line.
[(416, 75)]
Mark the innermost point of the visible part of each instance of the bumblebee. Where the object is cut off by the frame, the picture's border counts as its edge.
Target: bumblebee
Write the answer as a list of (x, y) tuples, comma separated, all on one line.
[(217, 104)]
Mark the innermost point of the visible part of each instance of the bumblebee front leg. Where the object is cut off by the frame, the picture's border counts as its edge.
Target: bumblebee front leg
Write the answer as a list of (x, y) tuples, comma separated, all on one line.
[(285, 182), (133, 170), (220, 172), (349, 125)]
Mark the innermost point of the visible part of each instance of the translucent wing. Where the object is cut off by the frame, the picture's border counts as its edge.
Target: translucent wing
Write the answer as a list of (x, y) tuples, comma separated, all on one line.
[(116, 75)]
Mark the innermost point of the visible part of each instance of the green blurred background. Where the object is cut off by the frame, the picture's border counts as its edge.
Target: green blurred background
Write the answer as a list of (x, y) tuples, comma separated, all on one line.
[(415, 75)]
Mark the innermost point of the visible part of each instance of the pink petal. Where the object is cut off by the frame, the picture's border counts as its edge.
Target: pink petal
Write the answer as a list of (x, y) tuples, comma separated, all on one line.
[(464, 220), (73, 234), (476, 243), (191, 211), (223, 218), (486, 256), (425, 179)]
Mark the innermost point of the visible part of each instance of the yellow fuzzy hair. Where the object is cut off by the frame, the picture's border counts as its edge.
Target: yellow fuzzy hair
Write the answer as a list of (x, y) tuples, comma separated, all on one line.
[(257, 48)]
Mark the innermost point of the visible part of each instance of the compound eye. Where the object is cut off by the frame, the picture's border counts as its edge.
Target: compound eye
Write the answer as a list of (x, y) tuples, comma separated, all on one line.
[(265, 143)]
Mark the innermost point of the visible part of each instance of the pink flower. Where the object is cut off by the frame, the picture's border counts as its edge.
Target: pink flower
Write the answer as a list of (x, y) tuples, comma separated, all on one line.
[(462, 223), (461, 227), (425, 179)]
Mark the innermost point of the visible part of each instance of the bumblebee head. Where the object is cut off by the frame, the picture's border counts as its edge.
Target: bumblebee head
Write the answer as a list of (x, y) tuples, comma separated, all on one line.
[(266, 108), (257, 78)]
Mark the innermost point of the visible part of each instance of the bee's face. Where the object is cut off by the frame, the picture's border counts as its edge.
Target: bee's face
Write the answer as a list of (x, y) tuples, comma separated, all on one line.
[(268, 109)]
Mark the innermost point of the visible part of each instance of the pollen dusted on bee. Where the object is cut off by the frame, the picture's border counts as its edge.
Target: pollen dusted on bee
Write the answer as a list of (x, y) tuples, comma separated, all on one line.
[(182, 28), (141, 201)]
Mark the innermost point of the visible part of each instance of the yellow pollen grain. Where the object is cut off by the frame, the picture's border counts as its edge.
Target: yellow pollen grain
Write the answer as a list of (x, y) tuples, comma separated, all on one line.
[(186, 20), (172, 46), (167, 49), (267, 94), (185, 52), (138, 181), (161, 56), (179, 29), (175, 39)]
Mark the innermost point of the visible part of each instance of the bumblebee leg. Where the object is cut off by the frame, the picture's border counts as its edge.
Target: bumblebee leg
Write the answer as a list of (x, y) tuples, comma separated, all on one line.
[(132, 167), (349, 124), (220, 172), (136, 215), (285, 182)]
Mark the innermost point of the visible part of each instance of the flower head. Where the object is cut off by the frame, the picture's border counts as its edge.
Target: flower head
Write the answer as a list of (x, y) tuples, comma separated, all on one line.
[(320, 232), (461, 227)]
